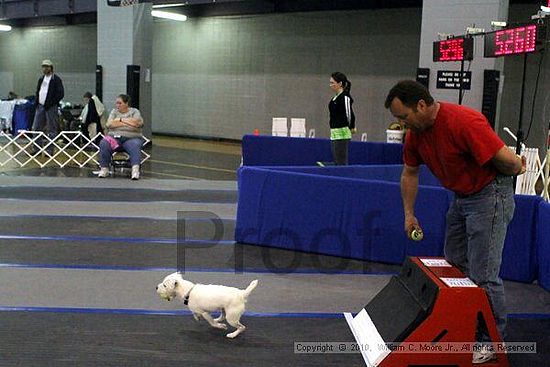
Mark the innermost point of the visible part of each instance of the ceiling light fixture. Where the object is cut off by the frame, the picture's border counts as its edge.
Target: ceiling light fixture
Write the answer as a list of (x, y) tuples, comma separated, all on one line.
[(5, 28), (160, 6), (168, 15)]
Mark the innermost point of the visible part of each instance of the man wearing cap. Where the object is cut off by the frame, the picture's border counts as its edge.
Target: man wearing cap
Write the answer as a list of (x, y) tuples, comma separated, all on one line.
[(49, 92)]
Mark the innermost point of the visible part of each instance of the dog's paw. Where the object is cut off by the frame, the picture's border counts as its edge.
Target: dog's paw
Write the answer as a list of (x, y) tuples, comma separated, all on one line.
[(221, 326), (233, 334)]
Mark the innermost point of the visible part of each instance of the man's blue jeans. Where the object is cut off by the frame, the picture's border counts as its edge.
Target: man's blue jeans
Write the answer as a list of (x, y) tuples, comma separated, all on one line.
[(131, 145), (46, 120), (476, 230)]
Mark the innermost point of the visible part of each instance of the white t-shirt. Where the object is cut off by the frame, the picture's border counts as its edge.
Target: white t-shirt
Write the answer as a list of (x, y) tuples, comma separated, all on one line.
[(44, 89)]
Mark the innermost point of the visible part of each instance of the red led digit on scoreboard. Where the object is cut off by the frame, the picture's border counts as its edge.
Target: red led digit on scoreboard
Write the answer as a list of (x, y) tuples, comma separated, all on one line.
[(530, 38), (519, 39), (451, 50), (516, 40), (503, 41)]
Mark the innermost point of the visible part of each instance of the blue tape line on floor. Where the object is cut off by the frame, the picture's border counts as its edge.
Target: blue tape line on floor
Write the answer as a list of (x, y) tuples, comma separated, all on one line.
[(188, 313), (61, 216), (161, 312), (40, 187), (117, 239), (189, 269)]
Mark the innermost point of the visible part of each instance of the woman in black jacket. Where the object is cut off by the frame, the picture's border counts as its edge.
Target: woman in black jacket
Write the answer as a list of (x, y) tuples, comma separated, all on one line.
[(342, 118)]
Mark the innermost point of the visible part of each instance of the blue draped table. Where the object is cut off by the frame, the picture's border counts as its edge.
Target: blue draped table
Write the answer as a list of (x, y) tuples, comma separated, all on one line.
[(543, 245), (285, 151), (356, 212)]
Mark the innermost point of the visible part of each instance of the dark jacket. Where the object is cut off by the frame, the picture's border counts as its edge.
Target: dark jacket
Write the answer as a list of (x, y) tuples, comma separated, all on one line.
[(92, 117), (341, 112), (55, 91)]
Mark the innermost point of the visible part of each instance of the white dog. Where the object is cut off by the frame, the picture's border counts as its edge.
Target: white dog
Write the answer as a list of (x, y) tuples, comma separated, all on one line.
[(205, 298)]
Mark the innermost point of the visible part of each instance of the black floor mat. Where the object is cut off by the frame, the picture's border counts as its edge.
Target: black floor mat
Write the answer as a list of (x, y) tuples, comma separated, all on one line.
[(87, 339), (227, 257), (109, 227), (530, 330), (63, 339)]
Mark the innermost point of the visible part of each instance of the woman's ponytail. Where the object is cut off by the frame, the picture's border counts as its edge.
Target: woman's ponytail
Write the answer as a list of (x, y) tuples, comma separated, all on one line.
[(342, 78)]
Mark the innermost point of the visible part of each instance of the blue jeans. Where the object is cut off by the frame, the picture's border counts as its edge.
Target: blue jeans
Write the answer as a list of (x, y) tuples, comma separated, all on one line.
[(131, 145), (46, 120), (476, 230)]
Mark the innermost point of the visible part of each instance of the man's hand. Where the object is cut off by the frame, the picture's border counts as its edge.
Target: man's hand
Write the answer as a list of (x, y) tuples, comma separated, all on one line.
[(509, 163), (411, 223), (523, 165)]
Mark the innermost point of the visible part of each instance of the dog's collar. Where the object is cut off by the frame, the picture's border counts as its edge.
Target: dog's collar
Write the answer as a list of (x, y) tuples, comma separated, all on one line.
[(186, 296)]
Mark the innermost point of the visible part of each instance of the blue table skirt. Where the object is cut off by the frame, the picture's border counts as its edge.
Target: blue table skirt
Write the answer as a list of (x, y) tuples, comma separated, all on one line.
[(340, 216), (356, 212), (543, 245), (285, 151), (519, 259)]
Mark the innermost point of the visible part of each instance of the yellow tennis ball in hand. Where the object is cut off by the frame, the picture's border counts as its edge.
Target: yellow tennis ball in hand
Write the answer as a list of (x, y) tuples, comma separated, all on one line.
[(417, 235)]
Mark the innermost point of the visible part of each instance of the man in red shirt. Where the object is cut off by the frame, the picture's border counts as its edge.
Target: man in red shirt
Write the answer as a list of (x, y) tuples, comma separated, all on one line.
[(466, 155)]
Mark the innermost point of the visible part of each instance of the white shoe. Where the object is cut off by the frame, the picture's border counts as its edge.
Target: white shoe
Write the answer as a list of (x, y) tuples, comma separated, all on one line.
[(103, 172), (135, 172), (482, 356)]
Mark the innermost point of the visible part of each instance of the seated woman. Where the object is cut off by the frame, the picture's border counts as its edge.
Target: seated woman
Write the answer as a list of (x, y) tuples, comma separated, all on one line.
[(124, 133), (91, 116)]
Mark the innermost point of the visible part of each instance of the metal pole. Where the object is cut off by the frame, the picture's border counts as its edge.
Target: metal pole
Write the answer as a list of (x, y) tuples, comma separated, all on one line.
[(519, 134), (461, 81), (520, 122)]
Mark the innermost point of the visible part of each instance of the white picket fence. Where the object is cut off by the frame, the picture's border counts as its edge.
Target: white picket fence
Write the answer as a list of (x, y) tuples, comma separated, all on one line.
[(535, 170), (68, 147)]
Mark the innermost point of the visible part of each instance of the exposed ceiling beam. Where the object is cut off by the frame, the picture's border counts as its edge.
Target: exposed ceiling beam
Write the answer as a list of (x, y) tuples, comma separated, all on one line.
[(11, 10)]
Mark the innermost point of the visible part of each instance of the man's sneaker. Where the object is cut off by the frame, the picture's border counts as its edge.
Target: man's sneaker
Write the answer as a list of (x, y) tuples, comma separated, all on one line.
[(483, 356), (103, 172), (135, 172)]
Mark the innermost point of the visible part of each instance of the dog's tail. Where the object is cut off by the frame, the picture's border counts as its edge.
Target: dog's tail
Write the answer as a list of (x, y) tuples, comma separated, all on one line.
[(249, 289)]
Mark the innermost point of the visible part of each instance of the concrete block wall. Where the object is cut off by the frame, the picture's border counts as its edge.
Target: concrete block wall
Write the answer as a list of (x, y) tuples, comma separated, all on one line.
[(114, 47), (226, 76), (6, 83), (71, 48), (124, 38)]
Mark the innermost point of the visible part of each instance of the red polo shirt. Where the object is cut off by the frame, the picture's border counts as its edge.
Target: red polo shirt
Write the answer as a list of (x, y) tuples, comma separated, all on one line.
[(458, 149)]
